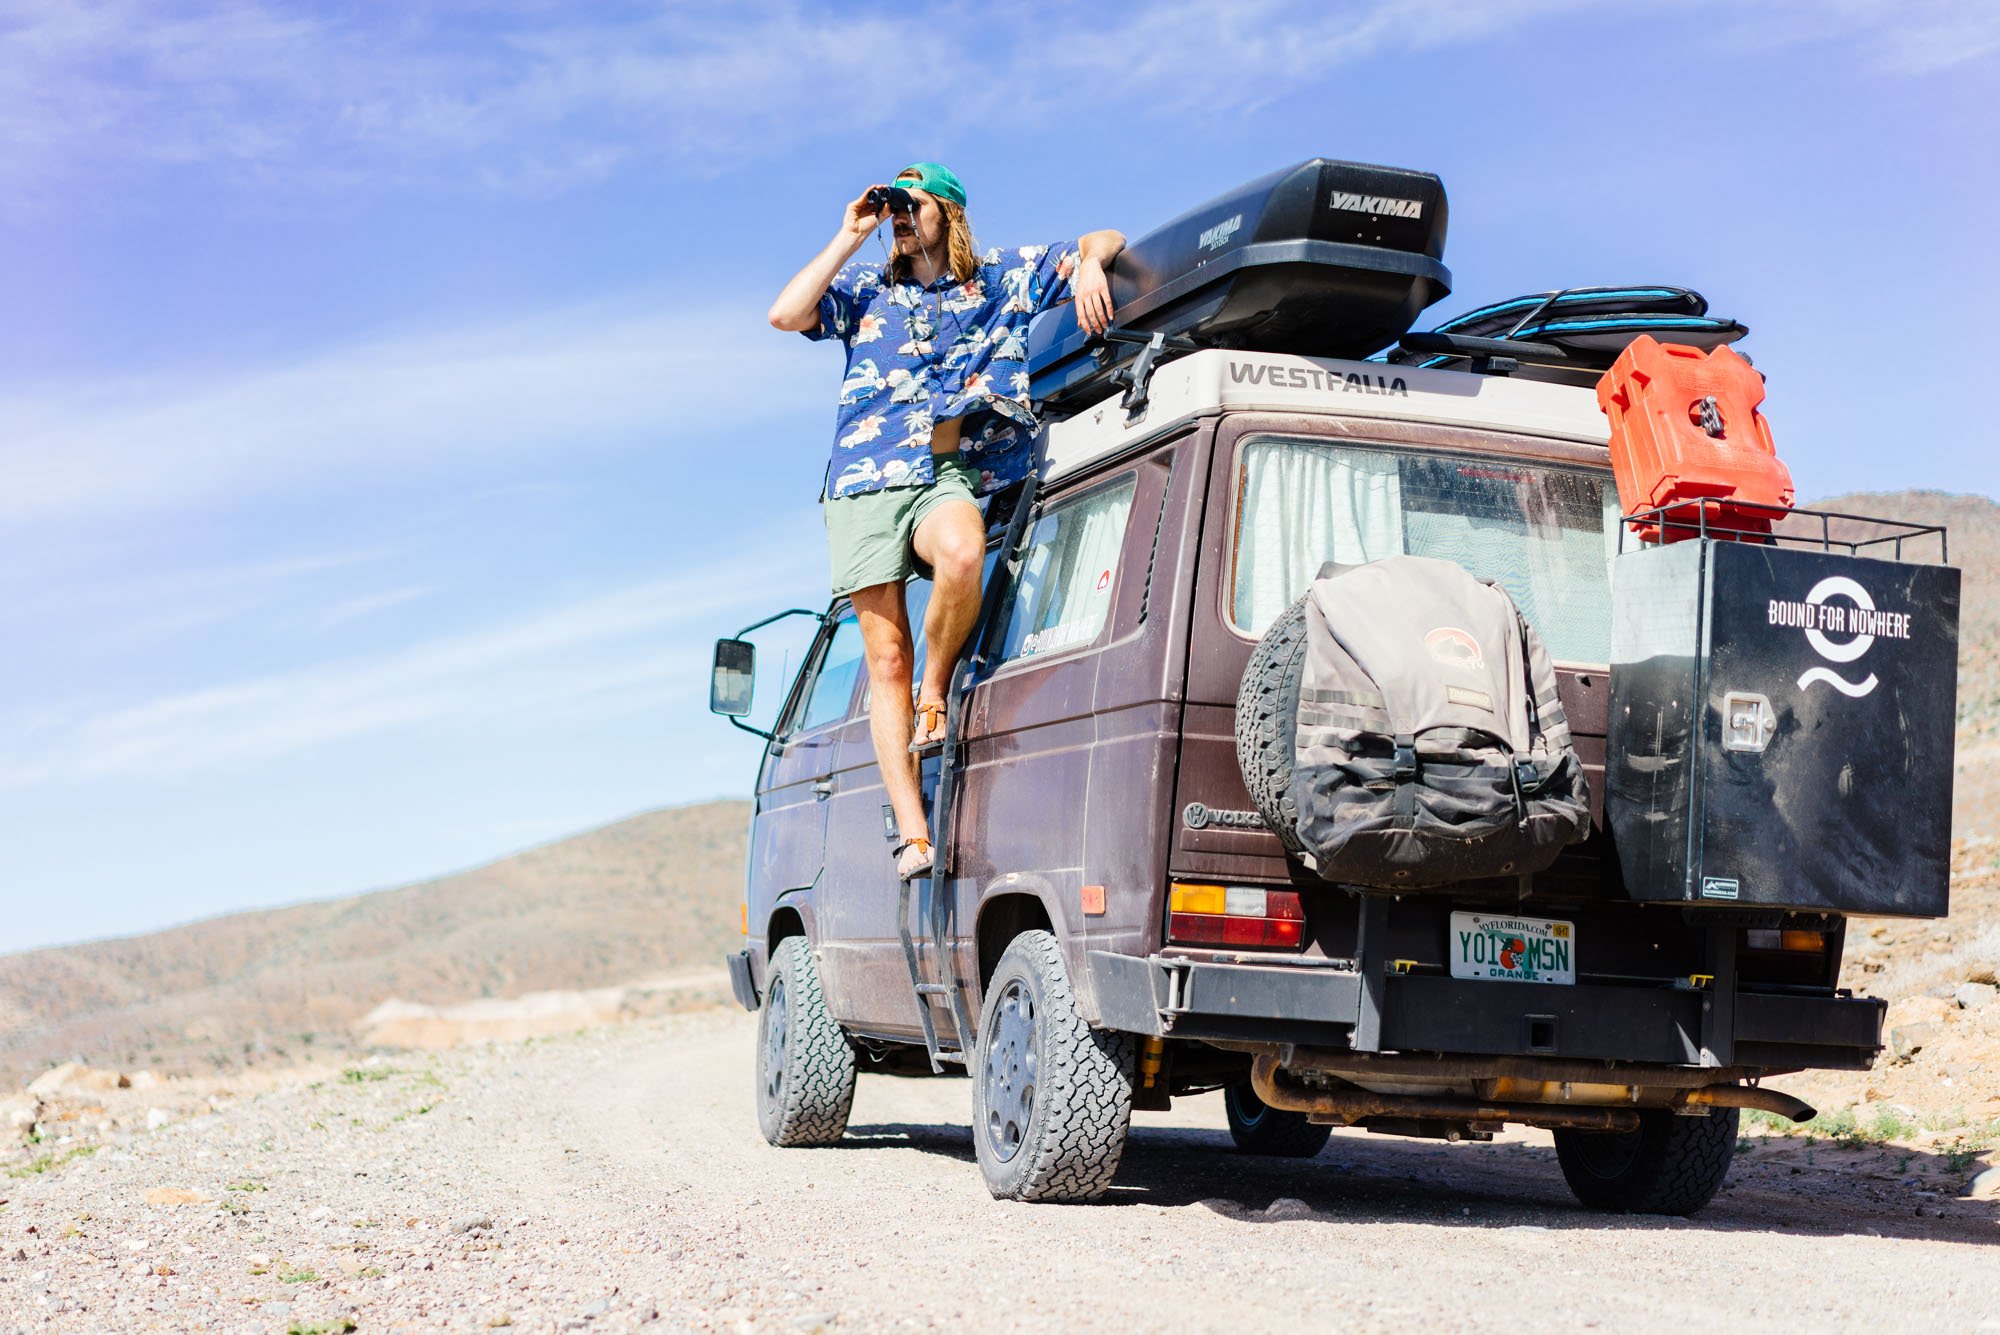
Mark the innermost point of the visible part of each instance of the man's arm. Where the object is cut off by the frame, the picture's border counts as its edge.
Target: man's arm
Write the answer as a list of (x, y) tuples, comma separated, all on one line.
[(1091, 288), (797, 308)]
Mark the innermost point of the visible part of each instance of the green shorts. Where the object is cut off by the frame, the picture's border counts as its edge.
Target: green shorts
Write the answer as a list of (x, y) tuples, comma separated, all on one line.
[(868, 535)]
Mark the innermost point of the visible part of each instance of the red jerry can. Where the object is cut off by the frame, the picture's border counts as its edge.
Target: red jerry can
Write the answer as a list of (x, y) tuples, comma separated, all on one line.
[(1686, 436)]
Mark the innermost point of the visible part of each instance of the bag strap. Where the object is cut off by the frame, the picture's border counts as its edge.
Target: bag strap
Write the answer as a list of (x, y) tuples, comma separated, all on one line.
[(1405, 772)]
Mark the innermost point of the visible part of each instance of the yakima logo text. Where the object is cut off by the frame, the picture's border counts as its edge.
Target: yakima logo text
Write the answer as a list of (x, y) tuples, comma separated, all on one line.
[(1216, 237), (1382, 206)]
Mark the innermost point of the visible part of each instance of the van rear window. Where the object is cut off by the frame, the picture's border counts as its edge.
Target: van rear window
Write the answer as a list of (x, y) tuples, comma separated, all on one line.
[(1544, 533)]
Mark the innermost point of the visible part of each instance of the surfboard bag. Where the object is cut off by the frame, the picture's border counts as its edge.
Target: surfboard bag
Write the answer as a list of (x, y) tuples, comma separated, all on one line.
[(1431, 748), (1593, 325)]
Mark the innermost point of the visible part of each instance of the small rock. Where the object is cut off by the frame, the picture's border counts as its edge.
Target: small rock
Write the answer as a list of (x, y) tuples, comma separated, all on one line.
[(75, 1078), (1974, 996), (1906, 1041), (473, 1223), (598, 1308), (157, 1118), (1288, 1207), (1984, 973), (276, 1309), (175, 1196), (502, 1319), (142, 1080), (1986, 1186), (815, 1321)]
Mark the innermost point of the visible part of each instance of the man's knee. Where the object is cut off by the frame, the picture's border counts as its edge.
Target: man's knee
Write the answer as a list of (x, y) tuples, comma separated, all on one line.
[(890, 661), (959, 558)]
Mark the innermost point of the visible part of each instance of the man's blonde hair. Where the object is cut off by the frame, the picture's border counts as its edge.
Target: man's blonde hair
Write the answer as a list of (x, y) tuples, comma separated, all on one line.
[(961, 254)]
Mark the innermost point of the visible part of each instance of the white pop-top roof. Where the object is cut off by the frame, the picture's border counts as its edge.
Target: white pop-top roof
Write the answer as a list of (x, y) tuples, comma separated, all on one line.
[(1219, 379)]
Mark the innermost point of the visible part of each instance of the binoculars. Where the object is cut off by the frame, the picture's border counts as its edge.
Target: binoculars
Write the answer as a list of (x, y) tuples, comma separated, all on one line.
[(894, 196)]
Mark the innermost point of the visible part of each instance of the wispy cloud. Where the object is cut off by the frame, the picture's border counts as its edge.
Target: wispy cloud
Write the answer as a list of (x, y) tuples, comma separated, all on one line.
[(623, 651), (582, 379), (364, 605), (531, 97)]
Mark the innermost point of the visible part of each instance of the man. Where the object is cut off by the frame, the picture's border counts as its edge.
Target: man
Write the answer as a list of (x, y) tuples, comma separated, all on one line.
[(933, 414)]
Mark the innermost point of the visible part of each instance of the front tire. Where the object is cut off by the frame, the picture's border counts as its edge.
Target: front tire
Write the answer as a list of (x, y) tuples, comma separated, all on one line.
[(1051, 1096), (805, 1065), (1258, 1128), (1670, 1165)]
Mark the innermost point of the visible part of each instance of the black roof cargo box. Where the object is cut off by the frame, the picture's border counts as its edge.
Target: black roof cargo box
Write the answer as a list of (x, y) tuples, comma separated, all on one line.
[(1325, 258)]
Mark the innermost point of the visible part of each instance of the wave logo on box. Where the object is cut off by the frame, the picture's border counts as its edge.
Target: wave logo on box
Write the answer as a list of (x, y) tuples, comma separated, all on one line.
[(1816, 617)]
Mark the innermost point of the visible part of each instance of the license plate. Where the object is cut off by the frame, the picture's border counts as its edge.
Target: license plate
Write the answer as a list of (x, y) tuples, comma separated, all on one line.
[(1520, 950)]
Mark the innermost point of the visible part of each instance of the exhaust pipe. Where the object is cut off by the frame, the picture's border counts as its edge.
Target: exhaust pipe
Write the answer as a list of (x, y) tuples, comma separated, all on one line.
[(1350, 1106), (1747, 1096)]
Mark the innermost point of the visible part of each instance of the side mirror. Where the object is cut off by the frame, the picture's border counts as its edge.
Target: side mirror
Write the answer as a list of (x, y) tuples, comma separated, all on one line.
[(733, 679)]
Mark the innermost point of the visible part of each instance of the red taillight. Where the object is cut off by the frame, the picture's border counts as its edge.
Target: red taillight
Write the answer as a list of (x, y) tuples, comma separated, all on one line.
[(1214, 915)]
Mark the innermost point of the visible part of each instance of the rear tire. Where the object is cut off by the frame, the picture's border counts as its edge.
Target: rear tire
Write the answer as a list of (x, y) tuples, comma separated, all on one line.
[(1670, 1165), (1051, 1096), (805, 1065), (1258, 1128), (1267, 722)]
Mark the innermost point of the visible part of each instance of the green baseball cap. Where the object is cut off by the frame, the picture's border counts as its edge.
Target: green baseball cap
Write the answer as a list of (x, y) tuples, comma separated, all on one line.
[(936, 179)]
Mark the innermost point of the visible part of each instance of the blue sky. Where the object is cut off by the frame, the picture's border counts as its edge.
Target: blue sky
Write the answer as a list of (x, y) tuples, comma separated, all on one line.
[(388, 421)]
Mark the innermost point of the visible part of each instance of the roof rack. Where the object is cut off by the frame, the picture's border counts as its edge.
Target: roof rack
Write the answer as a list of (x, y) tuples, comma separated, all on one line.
[(1692, 519), (1489, 356)]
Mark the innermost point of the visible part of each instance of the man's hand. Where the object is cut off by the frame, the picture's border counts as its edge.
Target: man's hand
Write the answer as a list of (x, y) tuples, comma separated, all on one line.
[(1093, 296), (861, 217)]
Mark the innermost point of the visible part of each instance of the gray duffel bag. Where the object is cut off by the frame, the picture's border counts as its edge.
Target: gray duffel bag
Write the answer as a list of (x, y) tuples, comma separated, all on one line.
[(1429, 746)]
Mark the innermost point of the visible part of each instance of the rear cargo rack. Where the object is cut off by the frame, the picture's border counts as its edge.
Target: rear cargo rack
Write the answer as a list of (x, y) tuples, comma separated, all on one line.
[(1693, 519)]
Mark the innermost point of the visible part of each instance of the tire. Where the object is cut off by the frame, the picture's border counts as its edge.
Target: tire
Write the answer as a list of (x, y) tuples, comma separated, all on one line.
[(1051, 1096), (1258, 1128), (805, 1065), (1267, 721), (1670, 1165)]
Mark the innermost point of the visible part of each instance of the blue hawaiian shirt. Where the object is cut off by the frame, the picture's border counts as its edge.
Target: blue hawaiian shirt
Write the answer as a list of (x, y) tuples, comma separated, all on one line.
[(922, 354)]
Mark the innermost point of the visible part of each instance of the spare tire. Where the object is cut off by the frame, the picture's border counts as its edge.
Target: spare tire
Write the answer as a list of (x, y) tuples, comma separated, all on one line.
[(1267, 719)]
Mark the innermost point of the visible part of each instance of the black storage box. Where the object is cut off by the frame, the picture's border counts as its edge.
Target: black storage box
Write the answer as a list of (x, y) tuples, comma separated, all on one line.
[(1325, 258), (1782, 728)]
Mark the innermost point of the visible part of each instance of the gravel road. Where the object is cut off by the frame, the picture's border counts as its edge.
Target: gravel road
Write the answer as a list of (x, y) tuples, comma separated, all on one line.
[(615, 1181)]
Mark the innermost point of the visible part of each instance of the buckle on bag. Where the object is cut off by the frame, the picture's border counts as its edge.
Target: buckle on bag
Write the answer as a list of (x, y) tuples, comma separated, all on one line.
[(1405, 769)]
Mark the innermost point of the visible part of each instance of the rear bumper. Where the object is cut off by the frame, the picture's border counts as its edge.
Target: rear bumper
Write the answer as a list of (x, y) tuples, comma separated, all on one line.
[(741, 981), (1321, 1006)]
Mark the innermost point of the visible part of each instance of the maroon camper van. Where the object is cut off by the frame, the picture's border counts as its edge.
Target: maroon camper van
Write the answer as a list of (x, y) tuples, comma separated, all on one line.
[(1114, 922)]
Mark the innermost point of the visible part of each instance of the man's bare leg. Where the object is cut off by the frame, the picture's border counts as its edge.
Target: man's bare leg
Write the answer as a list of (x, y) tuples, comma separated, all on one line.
[(885, 639), (952, 541)]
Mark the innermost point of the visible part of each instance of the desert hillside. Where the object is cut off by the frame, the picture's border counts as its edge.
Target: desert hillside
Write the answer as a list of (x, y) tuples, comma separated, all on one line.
[(648, 895)]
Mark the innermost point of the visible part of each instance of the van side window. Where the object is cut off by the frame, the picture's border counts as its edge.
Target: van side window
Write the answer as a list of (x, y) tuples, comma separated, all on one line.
[(1065, 590), (833, 680)]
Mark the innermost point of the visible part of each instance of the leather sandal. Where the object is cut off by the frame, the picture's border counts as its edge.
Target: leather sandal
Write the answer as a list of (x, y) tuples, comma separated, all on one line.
[(928, 735), (910, 868)]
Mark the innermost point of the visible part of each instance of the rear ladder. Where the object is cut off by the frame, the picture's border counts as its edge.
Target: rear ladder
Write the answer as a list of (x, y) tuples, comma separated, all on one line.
[(937, 904)]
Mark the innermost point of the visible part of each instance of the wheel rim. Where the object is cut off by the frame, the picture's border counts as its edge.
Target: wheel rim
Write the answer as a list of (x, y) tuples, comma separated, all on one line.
[(1245, 1106), (1010, 1073), (777, 1028)]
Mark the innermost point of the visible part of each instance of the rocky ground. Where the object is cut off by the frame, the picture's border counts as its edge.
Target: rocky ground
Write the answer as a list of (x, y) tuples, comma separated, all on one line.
[(615, 1181)]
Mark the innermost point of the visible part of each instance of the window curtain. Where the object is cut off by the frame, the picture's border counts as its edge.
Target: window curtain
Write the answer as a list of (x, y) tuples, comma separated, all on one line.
[(1302, 506)]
